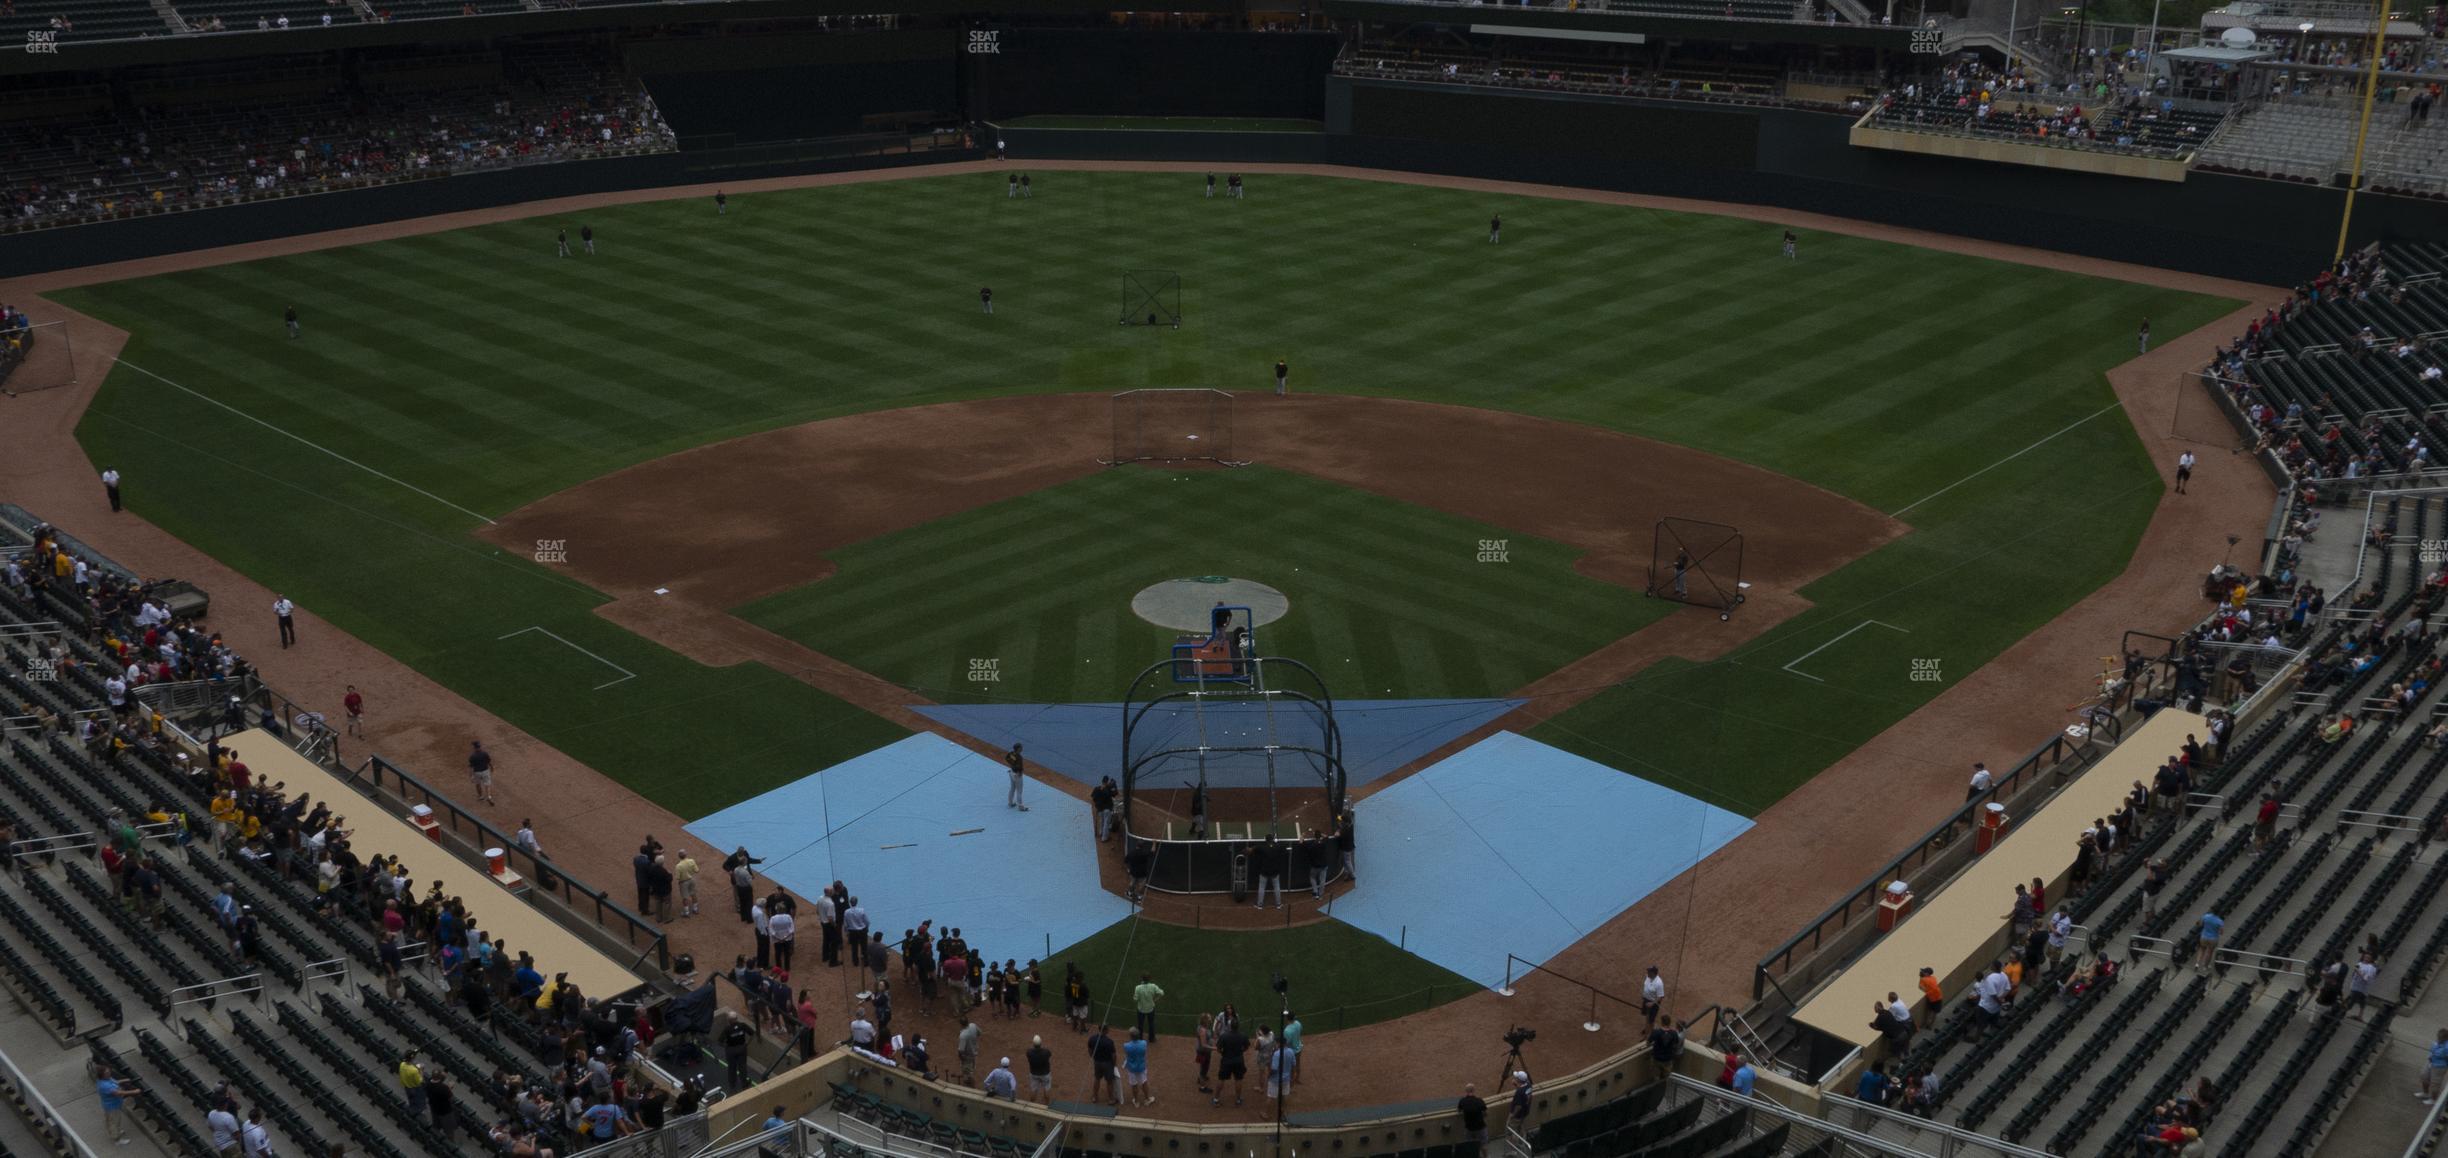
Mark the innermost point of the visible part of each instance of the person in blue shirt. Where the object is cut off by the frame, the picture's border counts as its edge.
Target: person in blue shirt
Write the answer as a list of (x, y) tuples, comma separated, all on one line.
[(529, 982), (777, 1128), (1744, 1078), (605, 1121), (2211, 927), (1135, 1070), (114, 1094), (1875, 1087), (2438, 1067)]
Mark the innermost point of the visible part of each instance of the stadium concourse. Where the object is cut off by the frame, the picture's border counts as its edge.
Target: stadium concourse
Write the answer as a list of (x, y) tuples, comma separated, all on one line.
[(591, 826)]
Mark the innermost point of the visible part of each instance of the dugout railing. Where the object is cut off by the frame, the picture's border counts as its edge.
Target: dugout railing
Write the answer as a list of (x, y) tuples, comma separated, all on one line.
[(575, 904), (1831, 939), (565, 899)]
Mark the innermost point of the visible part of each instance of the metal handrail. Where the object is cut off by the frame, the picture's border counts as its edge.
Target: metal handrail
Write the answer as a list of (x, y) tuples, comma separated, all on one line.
[(2258, 962), (39, 1108), (1906, 1121), (2057, 750), (2385, 821), (2421, 1145), (211, 990), (545, 877)]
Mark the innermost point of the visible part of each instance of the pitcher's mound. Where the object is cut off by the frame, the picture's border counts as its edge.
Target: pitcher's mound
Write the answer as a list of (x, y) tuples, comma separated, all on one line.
[(1184, 604)]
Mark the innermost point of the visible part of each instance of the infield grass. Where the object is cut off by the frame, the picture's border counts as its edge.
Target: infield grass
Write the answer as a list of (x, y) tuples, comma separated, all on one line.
[(482, 371), (1388, 599)]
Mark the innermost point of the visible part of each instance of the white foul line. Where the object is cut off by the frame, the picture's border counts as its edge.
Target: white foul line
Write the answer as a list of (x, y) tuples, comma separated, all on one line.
[(626, 674), (2003, 461), (318, 446), (1789, 666)]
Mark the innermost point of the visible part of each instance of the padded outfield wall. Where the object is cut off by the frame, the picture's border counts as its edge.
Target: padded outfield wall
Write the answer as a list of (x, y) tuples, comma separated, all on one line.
[(2228, 226)]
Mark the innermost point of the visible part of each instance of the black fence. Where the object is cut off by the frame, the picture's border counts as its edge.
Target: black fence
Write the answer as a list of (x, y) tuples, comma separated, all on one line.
[(1827, 931)]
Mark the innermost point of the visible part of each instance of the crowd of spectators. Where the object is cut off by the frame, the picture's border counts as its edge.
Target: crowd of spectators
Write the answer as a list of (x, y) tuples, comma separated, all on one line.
[(2099, 111), (139, 641), (2313, 441), (159, 159)]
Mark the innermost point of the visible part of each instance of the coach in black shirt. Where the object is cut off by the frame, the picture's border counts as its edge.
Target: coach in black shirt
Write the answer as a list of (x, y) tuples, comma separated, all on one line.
[(1474, 1118)]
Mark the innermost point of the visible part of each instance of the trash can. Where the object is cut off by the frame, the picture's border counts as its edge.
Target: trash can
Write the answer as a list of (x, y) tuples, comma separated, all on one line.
[(1240, 877)]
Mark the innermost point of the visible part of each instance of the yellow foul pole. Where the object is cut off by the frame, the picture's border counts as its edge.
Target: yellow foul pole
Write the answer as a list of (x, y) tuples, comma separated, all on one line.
[(2371, 95)]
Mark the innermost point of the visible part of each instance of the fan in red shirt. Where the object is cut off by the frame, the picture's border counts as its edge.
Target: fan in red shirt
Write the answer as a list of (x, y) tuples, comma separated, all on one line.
[(354, 704)]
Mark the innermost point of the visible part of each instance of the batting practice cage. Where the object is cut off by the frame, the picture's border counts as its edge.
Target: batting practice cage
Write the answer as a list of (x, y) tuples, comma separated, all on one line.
[(1213, 767), (1173, 426), (1151, 297), (1697, 563), (36, 357)]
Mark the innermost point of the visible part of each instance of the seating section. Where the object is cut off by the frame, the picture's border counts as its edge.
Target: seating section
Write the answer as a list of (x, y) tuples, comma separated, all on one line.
[(271, 1012), (2081, 1075), (1598, 70), (2311, 140), (72, 21), (314, 129), (2347, 380)]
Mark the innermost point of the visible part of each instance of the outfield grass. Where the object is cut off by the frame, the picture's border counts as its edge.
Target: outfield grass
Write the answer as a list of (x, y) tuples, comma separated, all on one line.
[(1388, 599), (481, 370), (1172, 124), (1340, 977)]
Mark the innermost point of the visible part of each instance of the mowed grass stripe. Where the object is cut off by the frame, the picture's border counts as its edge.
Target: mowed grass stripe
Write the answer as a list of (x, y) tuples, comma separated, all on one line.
[(476, 365)]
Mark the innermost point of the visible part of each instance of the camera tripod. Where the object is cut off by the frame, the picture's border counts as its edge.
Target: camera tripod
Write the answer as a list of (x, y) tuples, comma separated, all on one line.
[(1512, 1064)]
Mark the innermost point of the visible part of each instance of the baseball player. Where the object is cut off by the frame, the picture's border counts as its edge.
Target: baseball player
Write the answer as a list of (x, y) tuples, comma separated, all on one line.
[(563, 242), (1495, 226), (1283, 378)]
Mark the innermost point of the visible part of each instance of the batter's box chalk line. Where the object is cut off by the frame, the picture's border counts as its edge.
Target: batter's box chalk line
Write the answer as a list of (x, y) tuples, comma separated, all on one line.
[(625, 676)]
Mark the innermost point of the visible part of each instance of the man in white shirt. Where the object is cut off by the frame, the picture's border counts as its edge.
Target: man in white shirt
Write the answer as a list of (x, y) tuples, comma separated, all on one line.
[(283, 610), (253, 1140), (2184, 470), (2061, 927), (1980, 781), (784, 929), (1992, 992), (224, 1128), (1653, 996), (828, 923), (110, 486)]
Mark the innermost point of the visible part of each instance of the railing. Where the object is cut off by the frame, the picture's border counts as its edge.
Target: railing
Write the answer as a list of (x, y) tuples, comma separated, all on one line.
[(2051, 756), (239, 986), (2263, 963), (2430, 1128), (379, 779), (2136, 946), (1594, 992), (1922, 1138), (2384, 821), (45, 1120)]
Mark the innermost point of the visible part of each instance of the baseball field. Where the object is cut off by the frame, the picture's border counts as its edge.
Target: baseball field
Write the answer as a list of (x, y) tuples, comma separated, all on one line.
[(794, 422)]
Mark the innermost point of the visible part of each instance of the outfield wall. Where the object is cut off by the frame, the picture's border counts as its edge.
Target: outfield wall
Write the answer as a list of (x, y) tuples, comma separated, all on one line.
[(2238, 227)]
